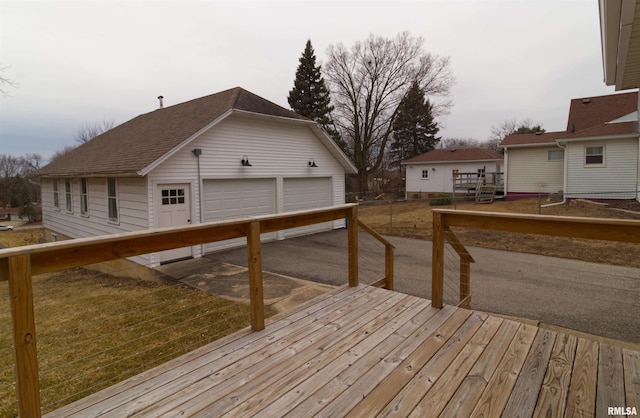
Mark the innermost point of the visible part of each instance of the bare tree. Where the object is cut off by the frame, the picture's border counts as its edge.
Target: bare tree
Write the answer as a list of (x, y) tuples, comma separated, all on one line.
[(4, 81), (459, 143), (59, 153), (512, 126), (16, 187), (367, 84), (88, 131)]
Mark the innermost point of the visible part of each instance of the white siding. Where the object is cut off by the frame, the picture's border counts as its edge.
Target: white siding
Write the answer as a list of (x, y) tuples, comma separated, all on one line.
[(440, 175), (275, 150), (132, 208), (617, 178), (530, 171)]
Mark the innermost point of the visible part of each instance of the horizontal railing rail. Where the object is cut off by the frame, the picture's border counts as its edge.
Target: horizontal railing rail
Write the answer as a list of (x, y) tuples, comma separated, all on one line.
[(622, 230), (18, 265)]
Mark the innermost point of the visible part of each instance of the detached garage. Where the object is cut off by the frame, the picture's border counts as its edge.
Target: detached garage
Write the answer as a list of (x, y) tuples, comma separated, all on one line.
[(229, 155)]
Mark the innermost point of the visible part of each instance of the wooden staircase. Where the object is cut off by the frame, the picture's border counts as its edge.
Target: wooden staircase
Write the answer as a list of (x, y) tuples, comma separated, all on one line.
[(485, 193)]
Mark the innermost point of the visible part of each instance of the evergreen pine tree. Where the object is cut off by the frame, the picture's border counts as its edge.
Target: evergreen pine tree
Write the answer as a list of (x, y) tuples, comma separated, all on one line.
[(414, 130), (310, 96)]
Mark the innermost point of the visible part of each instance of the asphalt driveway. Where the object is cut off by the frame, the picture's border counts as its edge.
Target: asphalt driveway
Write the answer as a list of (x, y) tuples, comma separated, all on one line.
[(594, 298)]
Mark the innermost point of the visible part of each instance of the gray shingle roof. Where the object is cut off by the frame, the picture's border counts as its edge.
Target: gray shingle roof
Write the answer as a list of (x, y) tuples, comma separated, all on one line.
[(139, 142)]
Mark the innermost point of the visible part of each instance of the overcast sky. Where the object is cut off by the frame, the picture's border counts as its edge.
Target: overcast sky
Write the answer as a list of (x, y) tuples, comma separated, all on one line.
[(84, 61)]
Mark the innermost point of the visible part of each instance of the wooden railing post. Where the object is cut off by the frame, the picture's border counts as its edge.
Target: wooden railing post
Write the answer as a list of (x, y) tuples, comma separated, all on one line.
[(437, 261), (352, 228), (256, 295), (24, 336)]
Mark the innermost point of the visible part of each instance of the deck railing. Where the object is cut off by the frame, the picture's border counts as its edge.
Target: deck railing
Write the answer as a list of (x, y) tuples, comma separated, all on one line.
[(18, 265), (622, 230)]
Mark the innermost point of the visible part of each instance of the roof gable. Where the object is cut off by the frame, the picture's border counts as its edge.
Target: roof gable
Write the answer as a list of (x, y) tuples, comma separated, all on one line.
[(455, 154), (138, 143), (587, 112), (600, 116)]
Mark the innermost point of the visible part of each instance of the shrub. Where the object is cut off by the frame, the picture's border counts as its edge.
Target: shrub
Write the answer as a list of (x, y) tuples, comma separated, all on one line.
[(441, 199)]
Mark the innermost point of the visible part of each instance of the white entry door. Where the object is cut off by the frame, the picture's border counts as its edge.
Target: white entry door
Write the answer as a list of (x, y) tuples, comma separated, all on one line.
[(174, 209)]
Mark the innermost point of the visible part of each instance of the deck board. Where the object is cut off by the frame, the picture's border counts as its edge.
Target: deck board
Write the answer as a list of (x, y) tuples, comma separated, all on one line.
[(364, 351)]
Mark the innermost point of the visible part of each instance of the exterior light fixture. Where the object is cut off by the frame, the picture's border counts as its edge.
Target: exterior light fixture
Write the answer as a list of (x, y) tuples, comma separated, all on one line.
[(245, 161), (312, 162)]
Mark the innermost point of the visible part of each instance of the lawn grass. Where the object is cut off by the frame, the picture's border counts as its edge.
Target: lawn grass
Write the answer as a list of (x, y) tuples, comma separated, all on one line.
[(413, 219), (95, 330)]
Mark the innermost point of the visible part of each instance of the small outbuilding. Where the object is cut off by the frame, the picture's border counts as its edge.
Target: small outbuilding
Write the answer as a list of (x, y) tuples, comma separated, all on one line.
[(229, 155), (433, 171)]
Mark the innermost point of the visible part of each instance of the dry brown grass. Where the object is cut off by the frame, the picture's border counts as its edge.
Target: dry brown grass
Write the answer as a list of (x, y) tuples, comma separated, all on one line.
[(20, 237), (95, 330), (413, 220)]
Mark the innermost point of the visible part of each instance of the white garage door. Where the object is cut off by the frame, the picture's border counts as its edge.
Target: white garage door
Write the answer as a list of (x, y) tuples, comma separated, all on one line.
[(231, 199), (307, 193)]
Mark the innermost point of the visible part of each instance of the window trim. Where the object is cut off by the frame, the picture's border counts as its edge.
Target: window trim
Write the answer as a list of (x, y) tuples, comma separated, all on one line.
[(68, 195), (422, 175), (56, 195), (84, 197), (602, 156), (112, 198), (557, 152)]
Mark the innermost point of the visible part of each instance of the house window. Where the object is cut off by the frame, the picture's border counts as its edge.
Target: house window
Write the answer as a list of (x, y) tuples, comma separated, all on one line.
[(84, 197), (56, 196), (594, 155), (67, 195), (425, 174), (172, 196), (112, 198), (555, 155)]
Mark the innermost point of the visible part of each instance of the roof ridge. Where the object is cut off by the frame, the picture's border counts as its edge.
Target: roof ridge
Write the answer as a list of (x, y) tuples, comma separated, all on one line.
[(605, 95)]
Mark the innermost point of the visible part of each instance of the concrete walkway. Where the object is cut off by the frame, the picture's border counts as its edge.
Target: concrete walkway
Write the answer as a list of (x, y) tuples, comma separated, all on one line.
[(231, 281)]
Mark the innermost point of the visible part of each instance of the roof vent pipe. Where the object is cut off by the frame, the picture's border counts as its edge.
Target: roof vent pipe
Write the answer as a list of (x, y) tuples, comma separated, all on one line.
[(160, 98)]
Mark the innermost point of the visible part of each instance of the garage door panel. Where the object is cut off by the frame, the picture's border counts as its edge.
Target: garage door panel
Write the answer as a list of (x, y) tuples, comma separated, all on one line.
[(307, 193), (232, 199)]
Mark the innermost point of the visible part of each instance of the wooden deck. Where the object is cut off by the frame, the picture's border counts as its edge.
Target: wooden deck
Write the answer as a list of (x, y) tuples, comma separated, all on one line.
[(363, 351)]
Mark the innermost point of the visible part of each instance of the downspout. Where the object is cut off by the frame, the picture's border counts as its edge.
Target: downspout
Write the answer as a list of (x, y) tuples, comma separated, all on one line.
[(564, 183), (505, 181), (197, 152)]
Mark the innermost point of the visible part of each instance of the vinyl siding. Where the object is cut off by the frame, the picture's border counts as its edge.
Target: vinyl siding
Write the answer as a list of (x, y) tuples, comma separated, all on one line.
[(441, 179), (132, 208), (530, 171), (275, 150), (617, 178)]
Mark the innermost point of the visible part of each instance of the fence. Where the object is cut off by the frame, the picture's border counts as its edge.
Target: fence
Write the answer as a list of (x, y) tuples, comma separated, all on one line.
[(540, 203)]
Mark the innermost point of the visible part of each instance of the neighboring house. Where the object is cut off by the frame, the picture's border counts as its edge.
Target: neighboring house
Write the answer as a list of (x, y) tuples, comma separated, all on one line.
[(432, 172), (12, 214), (597, 157), (228, 155)]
